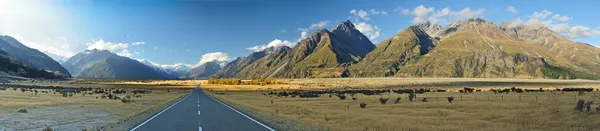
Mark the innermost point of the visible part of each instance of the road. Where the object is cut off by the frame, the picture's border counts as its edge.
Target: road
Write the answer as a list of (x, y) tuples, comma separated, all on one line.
[(197, 112)]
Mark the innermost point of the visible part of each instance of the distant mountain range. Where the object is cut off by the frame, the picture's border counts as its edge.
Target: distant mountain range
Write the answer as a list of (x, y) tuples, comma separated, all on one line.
[(473, 48), (175, 71), (31, 57), (104, 64)]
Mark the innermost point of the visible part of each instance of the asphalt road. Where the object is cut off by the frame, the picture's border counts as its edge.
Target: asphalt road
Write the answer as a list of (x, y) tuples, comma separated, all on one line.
[(197, 112)]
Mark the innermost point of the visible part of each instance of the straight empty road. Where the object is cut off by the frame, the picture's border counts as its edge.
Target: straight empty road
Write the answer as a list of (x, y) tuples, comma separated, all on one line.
[(197, 112)]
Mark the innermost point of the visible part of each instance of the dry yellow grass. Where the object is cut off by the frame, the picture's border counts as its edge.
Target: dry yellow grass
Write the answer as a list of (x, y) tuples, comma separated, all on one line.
[(478, 111), (96, 108)]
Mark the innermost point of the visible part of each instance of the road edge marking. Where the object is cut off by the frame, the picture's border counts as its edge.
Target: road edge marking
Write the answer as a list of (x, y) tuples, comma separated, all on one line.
[(140, 125), (271, 129)]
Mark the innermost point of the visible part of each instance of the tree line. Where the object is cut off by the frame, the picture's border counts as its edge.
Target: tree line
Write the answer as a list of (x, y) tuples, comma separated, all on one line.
[(236, 81)]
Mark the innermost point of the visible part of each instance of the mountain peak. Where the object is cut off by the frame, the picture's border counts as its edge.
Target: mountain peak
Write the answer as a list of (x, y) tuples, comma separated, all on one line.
[(345, 26), (431, 29)]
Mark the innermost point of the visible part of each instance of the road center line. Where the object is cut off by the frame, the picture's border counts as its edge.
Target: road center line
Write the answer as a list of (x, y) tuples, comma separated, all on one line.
[(198, 112), (199, 128)]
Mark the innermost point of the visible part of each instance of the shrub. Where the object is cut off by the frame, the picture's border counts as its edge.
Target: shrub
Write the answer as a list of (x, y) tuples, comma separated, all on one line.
[(425, 100), (341, 96), (450, 99), (579, 106), (363, 105), (383, 101), (22, 110), (397, 100), (47, 129)]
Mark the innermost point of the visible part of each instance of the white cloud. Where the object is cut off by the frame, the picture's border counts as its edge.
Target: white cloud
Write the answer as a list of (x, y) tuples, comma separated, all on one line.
[(283, 31), (319, 25), (119, 48), (364, 14), (561, 18), (369, 30), (420, 13), (423, 13), (512, 9), (102, 45), (274, 43), (303, 35), (541, 15), (560, 24), (36, 21), (125, 53), (467, 13), (62, 50), (218, 57), (138, 43), (360, 14), (303, 31)]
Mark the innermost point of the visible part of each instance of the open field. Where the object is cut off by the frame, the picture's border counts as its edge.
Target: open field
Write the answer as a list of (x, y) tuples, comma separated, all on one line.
[(480, 110), (76, 111)]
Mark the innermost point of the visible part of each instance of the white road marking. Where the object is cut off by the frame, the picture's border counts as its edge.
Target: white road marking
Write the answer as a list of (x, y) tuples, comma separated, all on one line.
[(199, 128), (198, 112), (271, 129), (198, 105), (158, 114)]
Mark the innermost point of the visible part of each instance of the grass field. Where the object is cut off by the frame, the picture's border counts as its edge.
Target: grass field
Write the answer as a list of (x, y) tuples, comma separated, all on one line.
[(79, 111), (549, 110)]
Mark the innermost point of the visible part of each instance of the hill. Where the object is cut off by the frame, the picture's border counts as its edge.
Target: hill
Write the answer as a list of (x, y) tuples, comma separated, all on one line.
[(31, 57), (10, 65), (118, 67)]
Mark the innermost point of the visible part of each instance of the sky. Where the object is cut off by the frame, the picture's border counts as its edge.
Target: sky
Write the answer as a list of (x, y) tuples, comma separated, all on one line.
[(191, 32)]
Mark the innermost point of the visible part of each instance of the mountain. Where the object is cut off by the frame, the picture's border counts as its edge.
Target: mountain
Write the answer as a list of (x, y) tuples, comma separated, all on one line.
[(234, 67), (31, 57), (429, 28), (476, 48), (84, 60), (104, 64), (58, 58), (391, 54), (9, 65), (118, 67), (156, 68), (203, 71), (176, 70), (321, 54)]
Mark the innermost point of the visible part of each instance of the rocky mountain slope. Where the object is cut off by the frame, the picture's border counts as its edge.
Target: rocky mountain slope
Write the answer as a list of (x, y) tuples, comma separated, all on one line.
[(481, 49), (473, 48), (203, 71), (118, 67), (31, 57), (104, 64), (84, 60), (321, 54), (234, 67), (391, 54), (10, 65)]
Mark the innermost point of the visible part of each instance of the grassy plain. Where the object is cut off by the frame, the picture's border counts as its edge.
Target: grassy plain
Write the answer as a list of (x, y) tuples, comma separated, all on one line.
[(79, 111), (549, 110)]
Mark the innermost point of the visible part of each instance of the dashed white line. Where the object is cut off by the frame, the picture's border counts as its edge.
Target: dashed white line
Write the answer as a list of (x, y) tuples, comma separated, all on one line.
[(198, 105), (199, 128), (198, 112)]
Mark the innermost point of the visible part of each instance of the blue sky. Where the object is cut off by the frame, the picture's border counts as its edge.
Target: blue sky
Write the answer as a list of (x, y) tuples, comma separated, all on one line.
[(191, 32)]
